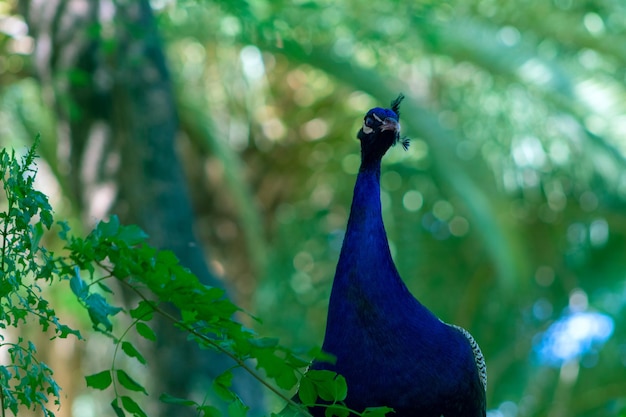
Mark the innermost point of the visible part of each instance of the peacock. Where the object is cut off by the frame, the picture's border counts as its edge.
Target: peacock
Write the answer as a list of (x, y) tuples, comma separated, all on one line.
[(390, 348)]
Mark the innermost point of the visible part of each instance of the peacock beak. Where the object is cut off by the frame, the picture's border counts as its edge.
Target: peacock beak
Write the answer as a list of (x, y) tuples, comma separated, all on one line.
[(390, 124)]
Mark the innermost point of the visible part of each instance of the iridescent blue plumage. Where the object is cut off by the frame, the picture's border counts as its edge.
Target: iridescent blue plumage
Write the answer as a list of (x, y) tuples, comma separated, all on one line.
[(390, 348)]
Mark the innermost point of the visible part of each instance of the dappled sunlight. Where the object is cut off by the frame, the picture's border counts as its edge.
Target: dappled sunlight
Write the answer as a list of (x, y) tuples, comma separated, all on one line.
[(573, 337)]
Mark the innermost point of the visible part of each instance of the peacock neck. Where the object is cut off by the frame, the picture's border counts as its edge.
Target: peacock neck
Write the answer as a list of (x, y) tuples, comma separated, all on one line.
[(368, 296), (366, 212), (365, 254)]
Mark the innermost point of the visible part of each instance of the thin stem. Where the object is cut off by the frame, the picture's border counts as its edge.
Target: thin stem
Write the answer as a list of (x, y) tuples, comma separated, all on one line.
[(116, 350)]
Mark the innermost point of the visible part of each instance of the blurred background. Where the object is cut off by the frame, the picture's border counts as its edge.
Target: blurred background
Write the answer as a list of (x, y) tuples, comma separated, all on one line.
[(226, 129)]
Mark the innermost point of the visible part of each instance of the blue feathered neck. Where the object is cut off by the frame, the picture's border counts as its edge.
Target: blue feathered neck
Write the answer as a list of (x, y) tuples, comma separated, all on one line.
[(365, 258), (367, 286)]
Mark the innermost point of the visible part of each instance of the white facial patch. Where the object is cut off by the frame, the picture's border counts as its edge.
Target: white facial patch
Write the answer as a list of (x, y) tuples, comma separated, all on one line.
[(366, 129), (377, 118)]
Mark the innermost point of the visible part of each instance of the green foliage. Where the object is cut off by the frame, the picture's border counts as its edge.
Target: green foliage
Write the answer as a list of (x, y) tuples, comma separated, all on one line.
[(101, 380), (24, 267), (326, 385), (116, 252)]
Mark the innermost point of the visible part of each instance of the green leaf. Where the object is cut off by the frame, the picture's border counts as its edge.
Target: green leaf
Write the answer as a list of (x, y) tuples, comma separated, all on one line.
[(46, 218), (336, 410), (132, 235), (222, 384), (62, 331), (287, 379), (35, 236), (78, 286), (5, 373), (210, 411), (104, 287), (127, 382), (307, 391), (99, 310), (101, 380), (296, 361), (131, 351), (145, 331), (108, 229), (170, 399), (340, 388), (330, 386), (322, 356), (377, 411), (237, 409), (225, 379), (144, 311), (118, 411), (321, 375), (65, 228), (132, 407), (276, 368)]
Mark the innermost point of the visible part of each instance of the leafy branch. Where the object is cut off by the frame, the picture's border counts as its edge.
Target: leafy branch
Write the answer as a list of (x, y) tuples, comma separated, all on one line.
[(24, 264), (205, 312)]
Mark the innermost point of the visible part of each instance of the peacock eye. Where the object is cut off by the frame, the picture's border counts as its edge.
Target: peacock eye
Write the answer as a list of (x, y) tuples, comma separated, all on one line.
[(368, 121)]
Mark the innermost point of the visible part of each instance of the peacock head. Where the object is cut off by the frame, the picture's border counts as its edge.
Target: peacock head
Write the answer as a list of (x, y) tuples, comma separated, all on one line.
[(381, 130)]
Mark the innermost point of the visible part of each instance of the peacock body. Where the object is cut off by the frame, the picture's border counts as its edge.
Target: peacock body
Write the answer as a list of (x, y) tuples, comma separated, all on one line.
[(390, 348)]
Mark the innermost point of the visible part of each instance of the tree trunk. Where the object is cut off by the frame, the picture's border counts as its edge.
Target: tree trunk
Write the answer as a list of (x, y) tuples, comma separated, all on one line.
[(102, 69)]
